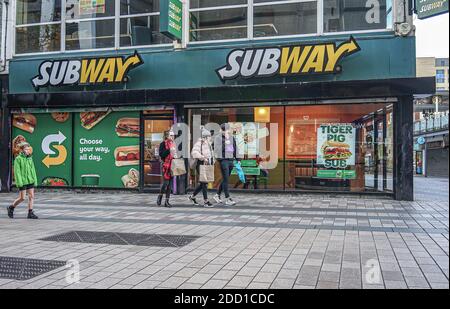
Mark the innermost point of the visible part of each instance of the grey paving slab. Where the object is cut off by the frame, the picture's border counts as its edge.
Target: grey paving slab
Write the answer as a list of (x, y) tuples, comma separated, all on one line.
[(307, 241)]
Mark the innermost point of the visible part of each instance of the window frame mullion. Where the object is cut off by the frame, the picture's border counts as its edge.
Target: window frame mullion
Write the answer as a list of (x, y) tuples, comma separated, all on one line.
[(63, 25), (117, 24), (250, 20), (320, 17)]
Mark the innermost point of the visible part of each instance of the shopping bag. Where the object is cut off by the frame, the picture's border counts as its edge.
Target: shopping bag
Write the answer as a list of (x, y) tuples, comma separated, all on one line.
[(239, 171), (206, 173), (178, 167), (192, 163)]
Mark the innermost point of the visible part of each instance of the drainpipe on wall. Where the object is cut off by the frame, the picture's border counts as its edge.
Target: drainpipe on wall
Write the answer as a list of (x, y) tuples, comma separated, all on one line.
[(4, 32)]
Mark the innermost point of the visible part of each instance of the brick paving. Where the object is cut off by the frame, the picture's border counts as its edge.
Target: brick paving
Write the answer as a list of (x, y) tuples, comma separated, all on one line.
[(266, 241)]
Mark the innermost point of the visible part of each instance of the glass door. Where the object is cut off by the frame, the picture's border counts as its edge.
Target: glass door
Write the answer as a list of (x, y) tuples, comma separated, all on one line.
[(154, 127)]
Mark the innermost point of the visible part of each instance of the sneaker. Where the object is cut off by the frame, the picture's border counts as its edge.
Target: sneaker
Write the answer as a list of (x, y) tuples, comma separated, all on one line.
[(230, 202), (208, 204), (10, 210), (31, 215), (193, 200), (217, 199)]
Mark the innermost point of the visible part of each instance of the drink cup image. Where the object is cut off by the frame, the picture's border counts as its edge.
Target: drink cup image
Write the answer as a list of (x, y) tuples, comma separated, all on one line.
[(90, 180)]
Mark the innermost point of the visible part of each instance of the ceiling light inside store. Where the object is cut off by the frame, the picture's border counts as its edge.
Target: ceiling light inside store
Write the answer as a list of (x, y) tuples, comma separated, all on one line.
[(262, 114)]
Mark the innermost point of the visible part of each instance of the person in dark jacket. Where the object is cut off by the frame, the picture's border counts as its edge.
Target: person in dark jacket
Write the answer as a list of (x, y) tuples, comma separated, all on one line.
[(225, 151), (26, 180), (167, 152)]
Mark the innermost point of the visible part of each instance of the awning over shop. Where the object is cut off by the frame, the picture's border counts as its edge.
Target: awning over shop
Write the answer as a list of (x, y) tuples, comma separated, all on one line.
[(255, 93)]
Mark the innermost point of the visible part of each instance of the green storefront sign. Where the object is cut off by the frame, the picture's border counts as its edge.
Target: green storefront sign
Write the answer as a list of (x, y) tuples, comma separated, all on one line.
[(104, 157), (50, 136), (171, 19), (88, 149), (430, 8), (336, 174)]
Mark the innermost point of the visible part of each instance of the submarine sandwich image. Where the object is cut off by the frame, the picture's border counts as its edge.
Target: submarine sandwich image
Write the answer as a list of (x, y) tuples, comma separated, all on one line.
[(128, 127), (26, 122), (127, 155), (91, 119), (336, 151), (16, 143)]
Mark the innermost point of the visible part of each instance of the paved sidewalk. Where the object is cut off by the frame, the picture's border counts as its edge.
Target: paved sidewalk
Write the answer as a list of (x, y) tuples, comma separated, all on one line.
[(266, 241)]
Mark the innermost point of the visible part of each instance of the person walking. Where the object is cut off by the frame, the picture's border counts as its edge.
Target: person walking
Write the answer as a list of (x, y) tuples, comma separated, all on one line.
[(26, 180), (167, 152), (225, 151), (203, 154)]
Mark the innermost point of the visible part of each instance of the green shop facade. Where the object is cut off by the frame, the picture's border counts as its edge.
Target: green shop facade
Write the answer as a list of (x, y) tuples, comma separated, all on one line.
[(342, 106)]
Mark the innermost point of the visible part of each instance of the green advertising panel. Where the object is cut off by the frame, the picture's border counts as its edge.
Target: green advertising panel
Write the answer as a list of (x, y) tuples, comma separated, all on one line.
[(50, 136), (336, 174), (106, 149), (430, 8), (171, 19)]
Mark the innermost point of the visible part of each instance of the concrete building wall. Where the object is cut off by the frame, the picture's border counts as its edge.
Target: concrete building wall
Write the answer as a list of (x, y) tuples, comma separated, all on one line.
[(425, 66)]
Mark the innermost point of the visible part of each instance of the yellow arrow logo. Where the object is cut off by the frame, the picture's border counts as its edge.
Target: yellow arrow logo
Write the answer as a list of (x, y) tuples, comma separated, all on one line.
[(335, 54), (60, 159), (123, 67)]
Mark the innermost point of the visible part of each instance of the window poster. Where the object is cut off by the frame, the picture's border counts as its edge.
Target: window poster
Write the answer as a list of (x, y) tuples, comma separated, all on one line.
[(88, 7), (50, 137), (336, 150)]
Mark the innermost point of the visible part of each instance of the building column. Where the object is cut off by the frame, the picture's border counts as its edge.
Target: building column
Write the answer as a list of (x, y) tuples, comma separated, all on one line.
[(5, 163), (404, 146), (180, 185)]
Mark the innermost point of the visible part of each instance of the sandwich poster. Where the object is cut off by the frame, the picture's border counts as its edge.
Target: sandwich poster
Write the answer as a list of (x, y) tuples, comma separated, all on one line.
[(106, 149), (50, 136), (336, 145)]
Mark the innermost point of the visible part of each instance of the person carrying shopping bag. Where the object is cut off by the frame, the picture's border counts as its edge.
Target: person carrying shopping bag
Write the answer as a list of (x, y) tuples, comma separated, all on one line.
[(167, 153), (225, 151), (26, 180), (204, 166)]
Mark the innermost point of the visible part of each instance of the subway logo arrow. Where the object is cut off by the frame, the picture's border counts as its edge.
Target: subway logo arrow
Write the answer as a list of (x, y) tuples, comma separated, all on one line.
[(88, 71), (289, 60), (60, 159)]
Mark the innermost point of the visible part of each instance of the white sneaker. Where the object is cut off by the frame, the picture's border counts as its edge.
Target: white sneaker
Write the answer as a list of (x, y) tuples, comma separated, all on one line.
[(217, 199), (230, 202)]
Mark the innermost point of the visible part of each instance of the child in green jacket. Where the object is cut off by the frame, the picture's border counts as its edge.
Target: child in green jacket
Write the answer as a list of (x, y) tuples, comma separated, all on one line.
[(26, 180)]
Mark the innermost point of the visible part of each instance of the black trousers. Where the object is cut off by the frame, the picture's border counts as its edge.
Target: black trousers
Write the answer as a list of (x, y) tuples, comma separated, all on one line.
[(226, 167), (202, 186), (166, 187)]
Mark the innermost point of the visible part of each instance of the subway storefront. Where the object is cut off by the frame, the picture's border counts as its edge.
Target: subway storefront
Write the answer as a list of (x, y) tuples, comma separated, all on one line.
[(326, 115)]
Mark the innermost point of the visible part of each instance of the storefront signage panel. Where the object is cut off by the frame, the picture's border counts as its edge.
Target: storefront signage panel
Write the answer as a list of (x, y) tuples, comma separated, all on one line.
[(96, 149), (106, 149), (430, 8), (287, 61), (50, 136), (336, 150), (86, 71), (171, 19)]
